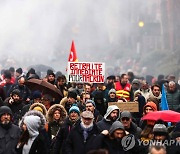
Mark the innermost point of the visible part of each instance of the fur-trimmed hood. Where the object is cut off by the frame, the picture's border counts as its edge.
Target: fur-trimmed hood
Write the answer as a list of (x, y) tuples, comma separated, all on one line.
[(39, 105), (35, 113), (51, 111)]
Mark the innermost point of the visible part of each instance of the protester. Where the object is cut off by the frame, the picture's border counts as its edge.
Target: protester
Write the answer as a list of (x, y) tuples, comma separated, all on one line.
[(112, 115), (16, 105), (83, 98), (112, 139), (123, 89), (55, 117), (90, 106), (157, 149), (9, 133), (112, 96), (129, 125), (69, 123), (83, 135), (155, 95), (39, 107), (32, 141), (173, 96)]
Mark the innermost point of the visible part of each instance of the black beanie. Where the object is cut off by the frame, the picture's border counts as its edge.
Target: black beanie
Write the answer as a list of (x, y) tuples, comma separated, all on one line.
[(5, 109), (19, 70), (16, 92), (72, 94)]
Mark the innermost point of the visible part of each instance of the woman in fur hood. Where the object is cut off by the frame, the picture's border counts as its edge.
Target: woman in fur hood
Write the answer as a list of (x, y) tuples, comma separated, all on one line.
[(55, 117)]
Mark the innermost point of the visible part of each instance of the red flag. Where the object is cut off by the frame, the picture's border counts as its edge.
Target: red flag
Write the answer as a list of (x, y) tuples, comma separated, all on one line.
[(73, 54)]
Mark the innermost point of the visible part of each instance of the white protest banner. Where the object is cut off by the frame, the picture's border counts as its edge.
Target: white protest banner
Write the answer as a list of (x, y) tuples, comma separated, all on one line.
[(86, 72)]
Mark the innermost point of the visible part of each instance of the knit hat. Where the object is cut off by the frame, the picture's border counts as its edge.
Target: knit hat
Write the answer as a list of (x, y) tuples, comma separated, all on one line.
[(126, 114), (5, 109), (16, 92), (112, 91), (136, 81), (87, 114), (49, 72), (160, 128), (72, 94), (116, 125), (152, 105), (19, 70), (74, 108), (91, 101), (36, 94), (38, 108)]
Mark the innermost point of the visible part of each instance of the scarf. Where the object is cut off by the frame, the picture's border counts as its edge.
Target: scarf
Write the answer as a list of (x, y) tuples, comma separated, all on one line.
[(86, 129)]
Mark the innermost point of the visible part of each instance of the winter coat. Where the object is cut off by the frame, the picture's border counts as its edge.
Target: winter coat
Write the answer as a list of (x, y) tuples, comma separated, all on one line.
[(105, 123), (9, 139), (62, 135), (173, 99), (53, 126), (112, 145), (76, 143), (135, 130), (41, 106), (39, 146)]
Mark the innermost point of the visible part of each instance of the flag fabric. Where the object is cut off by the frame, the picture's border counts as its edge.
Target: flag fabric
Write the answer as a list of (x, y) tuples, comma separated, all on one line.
[(73, 54), (164, 103)]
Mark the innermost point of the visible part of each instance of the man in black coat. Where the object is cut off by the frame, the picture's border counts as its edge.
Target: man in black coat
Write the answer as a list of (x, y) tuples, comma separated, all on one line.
[(83, 135), (9, 133)]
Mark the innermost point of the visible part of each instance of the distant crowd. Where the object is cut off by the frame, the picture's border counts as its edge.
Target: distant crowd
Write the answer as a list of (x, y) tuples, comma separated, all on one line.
[(77, 118)]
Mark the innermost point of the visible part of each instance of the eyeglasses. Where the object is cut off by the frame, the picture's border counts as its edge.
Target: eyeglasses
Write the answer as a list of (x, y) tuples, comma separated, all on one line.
[(125, 118)]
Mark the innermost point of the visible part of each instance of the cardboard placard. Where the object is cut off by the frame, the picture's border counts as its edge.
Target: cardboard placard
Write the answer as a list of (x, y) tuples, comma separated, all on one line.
[(86, 72), (126, 106)]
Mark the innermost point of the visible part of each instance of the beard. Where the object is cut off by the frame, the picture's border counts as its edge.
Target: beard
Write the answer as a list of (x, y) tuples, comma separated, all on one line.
[(86, 126)]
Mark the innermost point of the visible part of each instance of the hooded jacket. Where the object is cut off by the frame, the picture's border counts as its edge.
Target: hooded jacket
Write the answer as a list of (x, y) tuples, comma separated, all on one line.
[(8, 137), (106, 123), (53, 126)]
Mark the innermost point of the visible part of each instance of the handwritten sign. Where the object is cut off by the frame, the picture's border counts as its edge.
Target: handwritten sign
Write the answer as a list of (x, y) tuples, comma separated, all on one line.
[(126, 106), (86, 72)]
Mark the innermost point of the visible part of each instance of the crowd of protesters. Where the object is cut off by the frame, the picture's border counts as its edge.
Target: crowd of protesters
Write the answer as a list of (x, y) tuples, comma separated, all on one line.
[(82, 121)]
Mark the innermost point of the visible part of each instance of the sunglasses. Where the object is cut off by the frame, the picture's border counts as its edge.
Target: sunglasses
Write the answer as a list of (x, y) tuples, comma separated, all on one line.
[(125, 118)]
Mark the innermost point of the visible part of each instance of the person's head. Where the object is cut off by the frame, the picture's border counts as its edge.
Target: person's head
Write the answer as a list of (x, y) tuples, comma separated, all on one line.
[(72, 97), (87, 88), (144, 85), (47, 100), (79, 85), (112, 113), (61, 80), (56, 113), (117, 130), (157, 149), (18, 73), (5, 115), (124, 79), (12, 70), (112, 93), (87, 118), (21, 81), (32, 123), (126, 119), (16, 95), (7, 76), (156, 90), (160, 132), (172, 86), (98, 151), (84, 97), (36, 96), (74, 113), (136, 84), (149, 107), (90, 105), (51, 77), (147, 132), (110, 79)]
